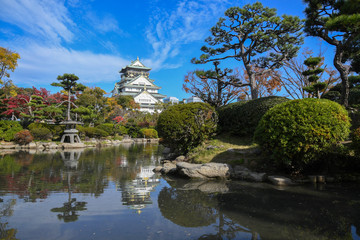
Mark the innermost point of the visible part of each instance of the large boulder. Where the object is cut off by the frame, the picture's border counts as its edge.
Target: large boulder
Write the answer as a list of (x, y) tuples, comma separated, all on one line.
[(244, 173), (203, 171), (168, 168)]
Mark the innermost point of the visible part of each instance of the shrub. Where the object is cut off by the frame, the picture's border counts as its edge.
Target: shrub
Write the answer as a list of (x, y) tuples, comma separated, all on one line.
[(41, 133), (298, 131), (23, 137), (133, 130), (356, 140), (8, 129), (107, 127), (185, 126), (37, 125), (241, 118), (56, 130), (149, 133), (93, 132), (120, 129)]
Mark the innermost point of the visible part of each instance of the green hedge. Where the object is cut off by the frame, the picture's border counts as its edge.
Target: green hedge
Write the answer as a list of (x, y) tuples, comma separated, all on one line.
[(185, 126), (241, 118), (297, 132), (8, 129)]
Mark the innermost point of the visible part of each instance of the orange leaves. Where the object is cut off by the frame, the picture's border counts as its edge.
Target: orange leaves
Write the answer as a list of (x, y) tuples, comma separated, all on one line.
[(268, 82)]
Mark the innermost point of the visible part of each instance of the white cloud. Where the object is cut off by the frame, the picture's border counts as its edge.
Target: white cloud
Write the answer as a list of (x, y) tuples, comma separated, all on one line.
[(103, 24), (41, 65), (189, 22), (47, 19)]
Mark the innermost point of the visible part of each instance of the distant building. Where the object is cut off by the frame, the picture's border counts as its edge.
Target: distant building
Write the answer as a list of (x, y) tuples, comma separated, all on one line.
[(172, 100), (135, 82), (193, 99)]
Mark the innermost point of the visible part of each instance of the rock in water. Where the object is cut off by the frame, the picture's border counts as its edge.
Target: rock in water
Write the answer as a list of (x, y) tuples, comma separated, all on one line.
[(204, 171)]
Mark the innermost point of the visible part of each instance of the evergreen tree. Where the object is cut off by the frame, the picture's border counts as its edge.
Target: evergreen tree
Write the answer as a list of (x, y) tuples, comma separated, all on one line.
[(338, 23), (314, 87), (69, 84), (256, 36)]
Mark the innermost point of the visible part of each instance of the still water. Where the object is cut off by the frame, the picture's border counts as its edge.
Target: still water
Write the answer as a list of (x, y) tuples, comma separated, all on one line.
[(112, 193)]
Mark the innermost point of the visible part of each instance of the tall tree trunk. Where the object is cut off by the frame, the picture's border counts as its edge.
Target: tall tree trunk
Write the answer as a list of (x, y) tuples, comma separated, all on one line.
[(29, 108), (344, 71), (69, 105), (253, 87), (219, 93)]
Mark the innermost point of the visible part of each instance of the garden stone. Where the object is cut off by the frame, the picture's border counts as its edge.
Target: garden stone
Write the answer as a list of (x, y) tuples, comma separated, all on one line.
[(31, 145), (180, 159), (73, 145), (168, 168), (280, 181), (203, 171), (157, 169), (53, 145), (8, 145), (244, 173), (40, 146)]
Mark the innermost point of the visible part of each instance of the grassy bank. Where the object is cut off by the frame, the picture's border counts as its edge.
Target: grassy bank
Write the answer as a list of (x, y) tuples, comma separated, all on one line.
[(227, 149)]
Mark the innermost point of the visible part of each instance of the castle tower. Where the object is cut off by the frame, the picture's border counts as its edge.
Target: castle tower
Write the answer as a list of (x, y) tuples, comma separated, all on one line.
[(135, 82)]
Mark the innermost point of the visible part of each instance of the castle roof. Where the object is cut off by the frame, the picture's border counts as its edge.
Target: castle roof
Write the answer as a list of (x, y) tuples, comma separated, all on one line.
[(135, 65)]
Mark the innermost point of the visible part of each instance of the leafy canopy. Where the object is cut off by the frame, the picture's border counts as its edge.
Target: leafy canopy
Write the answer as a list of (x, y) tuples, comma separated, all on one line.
[(69, 83), (256, 36), (8, 61), (338, 23)]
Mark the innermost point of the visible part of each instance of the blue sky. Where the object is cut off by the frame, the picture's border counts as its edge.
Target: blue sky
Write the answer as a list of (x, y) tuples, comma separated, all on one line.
[(94, 39)]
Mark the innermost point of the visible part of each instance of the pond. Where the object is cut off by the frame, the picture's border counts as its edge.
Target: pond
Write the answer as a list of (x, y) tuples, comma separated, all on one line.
[(112, 193)]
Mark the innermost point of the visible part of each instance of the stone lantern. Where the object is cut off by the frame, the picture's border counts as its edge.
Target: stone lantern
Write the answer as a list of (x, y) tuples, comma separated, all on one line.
[(70, 133)]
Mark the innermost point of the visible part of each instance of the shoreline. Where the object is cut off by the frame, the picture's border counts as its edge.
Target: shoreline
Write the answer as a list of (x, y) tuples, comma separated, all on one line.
[(57, 146)]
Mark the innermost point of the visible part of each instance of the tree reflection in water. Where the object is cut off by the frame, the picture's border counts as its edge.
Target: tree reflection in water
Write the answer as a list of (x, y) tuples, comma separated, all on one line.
[(6, 210), (69, 210), (259, 211), (203, 210), (195, 204)]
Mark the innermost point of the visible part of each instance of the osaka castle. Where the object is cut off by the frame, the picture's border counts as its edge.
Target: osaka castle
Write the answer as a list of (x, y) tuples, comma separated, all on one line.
[(135, 82)]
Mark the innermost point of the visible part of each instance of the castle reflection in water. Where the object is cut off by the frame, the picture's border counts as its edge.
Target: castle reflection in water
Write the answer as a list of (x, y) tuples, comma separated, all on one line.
[(136, 193)]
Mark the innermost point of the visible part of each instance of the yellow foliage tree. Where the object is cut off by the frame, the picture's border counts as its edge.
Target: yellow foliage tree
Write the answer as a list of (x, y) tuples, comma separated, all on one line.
[(8, 61)]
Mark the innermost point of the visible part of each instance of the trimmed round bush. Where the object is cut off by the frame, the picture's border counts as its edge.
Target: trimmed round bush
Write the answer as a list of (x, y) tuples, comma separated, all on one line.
[(8, 129), (149, 133), (241, 118), (185, 126), (356, 140), (23, 137), (41, 133), (297, 132)]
